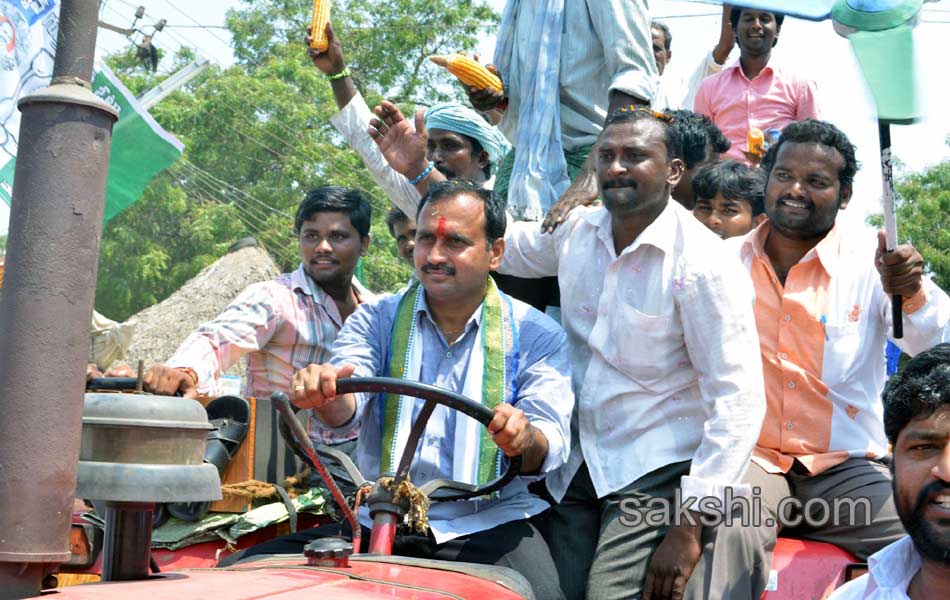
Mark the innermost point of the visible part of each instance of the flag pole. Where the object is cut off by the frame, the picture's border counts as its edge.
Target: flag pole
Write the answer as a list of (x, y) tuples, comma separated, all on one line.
[(890, 217)]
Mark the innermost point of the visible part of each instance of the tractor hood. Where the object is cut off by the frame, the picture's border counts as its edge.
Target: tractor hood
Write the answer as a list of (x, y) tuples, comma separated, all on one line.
[(286, 577)]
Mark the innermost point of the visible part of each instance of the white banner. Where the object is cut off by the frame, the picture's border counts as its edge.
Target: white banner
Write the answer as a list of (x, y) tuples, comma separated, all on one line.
[(27, 47)]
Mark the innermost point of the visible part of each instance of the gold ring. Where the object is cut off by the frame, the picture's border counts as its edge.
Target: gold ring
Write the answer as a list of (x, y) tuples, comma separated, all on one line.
[(298, 388)]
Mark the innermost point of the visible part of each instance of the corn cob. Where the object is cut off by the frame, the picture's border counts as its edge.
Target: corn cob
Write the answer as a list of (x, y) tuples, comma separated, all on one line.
[(756, 142), (469, 72), (318, 25)]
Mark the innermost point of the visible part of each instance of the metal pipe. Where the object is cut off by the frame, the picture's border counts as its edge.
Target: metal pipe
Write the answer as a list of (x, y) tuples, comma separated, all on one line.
[(126, 545), (46, 304), (383, 535)]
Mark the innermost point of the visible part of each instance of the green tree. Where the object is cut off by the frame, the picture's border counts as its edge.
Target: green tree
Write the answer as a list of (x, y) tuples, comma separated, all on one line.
[(923, 218), (258, 136)]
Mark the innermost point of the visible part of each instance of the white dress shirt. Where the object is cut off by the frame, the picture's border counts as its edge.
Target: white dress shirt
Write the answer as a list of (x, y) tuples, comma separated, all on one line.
[(890, 571), (663, 344)]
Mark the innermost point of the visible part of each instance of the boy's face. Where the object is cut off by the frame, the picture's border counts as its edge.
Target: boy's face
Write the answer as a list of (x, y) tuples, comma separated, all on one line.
[(725, 217)]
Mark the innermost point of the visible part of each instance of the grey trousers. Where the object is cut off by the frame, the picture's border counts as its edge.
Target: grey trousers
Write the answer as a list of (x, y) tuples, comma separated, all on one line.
[(856, 494), (858, 490), (600, 554)]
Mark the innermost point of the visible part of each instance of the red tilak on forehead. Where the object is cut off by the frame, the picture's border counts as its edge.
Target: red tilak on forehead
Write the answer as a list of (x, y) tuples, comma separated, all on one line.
[(440, 228)]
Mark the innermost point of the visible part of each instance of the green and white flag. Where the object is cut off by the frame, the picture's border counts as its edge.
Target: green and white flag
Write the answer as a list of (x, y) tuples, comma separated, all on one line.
[(141, 149)]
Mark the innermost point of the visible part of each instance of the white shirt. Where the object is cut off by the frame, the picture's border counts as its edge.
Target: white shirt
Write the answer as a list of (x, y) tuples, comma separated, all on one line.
[(663, 344), (890, 571), (676, 92), (353, 122), (822, 335)]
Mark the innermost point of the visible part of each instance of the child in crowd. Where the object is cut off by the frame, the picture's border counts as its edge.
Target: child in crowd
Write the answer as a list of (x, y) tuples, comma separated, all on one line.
[(729, 198)]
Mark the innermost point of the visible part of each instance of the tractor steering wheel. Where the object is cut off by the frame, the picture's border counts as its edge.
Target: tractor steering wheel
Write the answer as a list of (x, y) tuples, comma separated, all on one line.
[(438, 489)]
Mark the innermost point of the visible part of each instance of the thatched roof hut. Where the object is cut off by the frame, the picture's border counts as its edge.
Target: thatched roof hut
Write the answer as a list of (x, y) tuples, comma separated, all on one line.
[(159, 329)]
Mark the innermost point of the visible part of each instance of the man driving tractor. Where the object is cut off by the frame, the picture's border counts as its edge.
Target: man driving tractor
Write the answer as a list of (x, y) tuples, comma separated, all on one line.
[(454, 330)]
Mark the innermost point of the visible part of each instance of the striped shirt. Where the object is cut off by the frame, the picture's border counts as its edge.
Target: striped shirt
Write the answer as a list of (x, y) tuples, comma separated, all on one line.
[(822, 338), (281, 326)]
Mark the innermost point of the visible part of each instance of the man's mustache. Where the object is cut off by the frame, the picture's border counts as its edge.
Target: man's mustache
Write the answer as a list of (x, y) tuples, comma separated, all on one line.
[(430, 268), (619, 183), (449, 173)]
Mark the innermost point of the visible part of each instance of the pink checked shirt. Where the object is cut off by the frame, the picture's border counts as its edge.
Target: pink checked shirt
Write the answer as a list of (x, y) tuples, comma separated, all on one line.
[(281, 325), (772, 99)]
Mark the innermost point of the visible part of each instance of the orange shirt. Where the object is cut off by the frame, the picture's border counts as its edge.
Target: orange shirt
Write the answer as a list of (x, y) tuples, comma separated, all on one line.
[(822, 338)]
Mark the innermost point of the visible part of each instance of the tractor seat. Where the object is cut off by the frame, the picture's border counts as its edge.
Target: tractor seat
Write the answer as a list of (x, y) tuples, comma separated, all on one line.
[(803, 569)]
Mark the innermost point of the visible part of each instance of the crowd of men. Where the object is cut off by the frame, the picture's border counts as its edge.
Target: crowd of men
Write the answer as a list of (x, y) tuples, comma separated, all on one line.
[(726, 343)]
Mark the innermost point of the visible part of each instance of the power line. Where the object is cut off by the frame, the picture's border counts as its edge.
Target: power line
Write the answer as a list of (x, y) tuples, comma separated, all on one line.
[(296, 135), (258, 218), (251, 224), (202, 178), (248, 136), (153, 41), (203, 182), (179, 38), (239, 191), (190, 18), (247, 119)]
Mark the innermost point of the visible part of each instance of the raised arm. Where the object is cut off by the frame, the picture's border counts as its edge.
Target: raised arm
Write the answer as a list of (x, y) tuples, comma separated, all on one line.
[(333, 65), (353, 120), (727, 38), (713, 62), (404, 146)]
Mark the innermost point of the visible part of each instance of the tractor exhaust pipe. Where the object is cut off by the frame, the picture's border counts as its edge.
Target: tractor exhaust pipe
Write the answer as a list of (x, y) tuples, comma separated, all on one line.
[(46, 304)]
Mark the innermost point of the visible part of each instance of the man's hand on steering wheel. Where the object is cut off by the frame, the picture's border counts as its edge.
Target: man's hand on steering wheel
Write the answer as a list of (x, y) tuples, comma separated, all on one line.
[(516, 436), (314, 387)]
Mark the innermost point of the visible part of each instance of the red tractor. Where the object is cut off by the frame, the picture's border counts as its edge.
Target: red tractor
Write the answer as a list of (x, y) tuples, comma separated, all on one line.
[(335, 566), (45, 308)]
